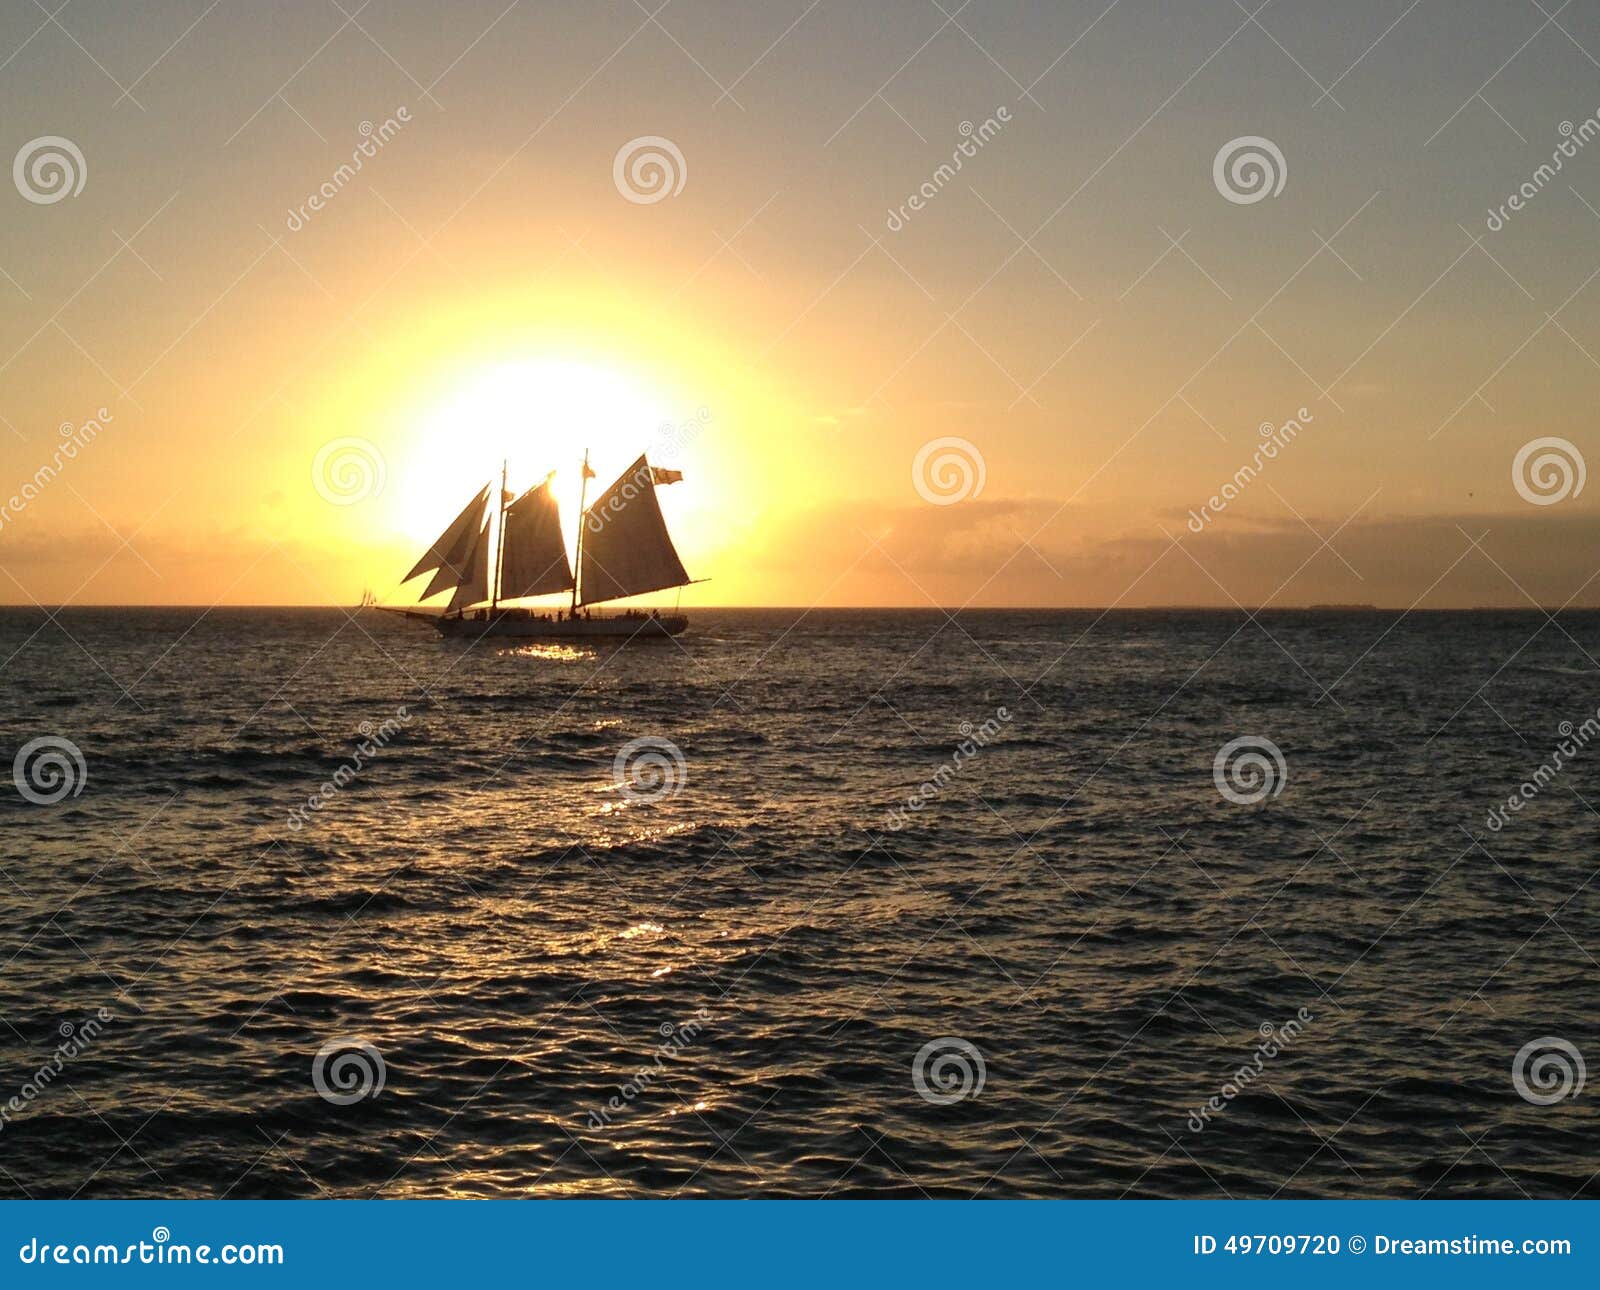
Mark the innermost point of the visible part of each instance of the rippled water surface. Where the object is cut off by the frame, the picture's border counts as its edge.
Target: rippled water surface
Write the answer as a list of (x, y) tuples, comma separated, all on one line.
[(717, 978)]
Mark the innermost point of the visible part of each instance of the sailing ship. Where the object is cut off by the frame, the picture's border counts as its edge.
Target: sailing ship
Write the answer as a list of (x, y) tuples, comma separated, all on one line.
[(514, 551)]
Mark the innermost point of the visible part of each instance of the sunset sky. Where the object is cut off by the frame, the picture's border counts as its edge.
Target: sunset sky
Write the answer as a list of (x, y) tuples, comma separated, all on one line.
[(483, 288)]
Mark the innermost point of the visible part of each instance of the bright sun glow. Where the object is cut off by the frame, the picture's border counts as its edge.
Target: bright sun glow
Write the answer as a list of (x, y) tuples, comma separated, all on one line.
[(536, 415)]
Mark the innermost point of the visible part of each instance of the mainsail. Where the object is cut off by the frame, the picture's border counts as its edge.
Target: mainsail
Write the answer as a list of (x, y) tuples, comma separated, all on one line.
[(474, 585), (533, 554), (626, 550)]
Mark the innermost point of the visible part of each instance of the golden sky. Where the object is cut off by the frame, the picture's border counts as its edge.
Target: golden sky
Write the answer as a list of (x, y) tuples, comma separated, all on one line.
[(1093, 312)]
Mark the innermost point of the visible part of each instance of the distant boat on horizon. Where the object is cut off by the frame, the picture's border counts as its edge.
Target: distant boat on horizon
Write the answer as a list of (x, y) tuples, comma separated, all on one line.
[(513, 551)]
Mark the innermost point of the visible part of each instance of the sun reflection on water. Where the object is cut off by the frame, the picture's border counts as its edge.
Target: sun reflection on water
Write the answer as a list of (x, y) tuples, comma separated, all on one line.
[(640, 929), (551, 653)]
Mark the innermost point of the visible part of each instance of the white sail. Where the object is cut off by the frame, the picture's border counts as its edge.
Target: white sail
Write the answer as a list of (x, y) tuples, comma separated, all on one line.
[(449, 553), (533, 553), (474, 585), (626, 549)]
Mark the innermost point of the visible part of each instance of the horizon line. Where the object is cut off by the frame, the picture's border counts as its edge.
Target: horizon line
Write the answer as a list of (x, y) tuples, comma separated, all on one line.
[(1317, 607)]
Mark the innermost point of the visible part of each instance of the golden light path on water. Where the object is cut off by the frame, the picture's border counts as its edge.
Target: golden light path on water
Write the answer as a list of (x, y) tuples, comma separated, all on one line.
[(519, 927)]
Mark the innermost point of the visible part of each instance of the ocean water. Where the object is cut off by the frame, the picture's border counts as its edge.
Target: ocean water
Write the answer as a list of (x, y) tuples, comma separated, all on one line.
[(885, 904)]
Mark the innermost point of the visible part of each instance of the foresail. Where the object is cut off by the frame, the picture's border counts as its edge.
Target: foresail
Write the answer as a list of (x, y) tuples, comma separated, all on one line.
[(534, 557), (448, 554), (474, 585), (626, 548), (455, 565)]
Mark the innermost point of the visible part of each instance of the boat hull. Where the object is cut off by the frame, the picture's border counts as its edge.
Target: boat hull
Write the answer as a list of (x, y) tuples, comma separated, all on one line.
[(499, 626)]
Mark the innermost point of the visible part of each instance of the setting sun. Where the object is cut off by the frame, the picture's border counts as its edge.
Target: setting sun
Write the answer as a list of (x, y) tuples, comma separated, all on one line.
[(536, 415)]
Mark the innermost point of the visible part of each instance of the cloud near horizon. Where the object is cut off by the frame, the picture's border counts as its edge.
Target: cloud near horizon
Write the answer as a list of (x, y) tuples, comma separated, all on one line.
[(982, 553)]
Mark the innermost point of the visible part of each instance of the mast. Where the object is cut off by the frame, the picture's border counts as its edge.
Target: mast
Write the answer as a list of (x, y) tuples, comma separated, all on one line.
[(500, 547), (583, 493)]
